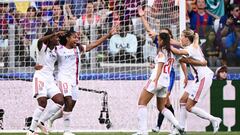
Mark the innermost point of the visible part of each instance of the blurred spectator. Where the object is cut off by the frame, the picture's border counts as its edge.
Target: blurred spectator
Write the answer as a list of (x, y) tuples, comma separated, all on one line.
[(89, 25), (115, 16), (236, 2), (77, 6), (227, 6), (4, 20), (123, 46), (211, 49), (215, 8), (28, 30), (226, 21), (45, 9), (232, 44), (221, 73), (131, 8), (29, 24), (200, 21), (57, 20)]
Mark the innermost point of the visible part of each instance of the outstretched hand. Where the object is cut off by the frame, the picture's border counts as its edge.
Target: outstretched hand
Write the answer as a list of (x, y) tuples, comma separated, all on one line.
[(114, 29), (140, 11), (196, 36)]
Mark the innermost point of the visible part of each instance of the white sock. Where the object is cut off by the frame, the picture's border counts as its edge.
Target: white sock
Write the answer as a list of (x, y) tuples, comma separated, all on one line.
[(50, 112), (36, 115), (57, 115), (183, 115), (168, 114), (202, 114), (66, 121), (142, 119)]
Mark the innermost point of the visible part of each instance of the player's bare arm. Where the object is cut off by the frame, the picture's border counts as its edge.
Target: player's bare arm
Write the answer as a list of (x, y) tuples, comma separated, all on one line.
[(46, 38), (184, 69), (102, 39), (141, 13), (178, 51), (193, 62)]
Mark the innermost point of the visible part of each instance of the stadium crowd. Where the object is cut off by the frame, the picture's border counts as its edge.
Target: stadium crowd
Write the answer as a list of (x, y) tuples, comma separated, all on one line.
[(217, 22)]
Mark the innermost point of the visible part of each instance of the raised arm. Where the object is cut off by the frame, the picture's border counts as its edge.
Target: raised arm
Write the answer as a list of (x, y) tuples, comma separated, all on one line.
[(46, 38), (145, 23), (178, 51), (102, 39)]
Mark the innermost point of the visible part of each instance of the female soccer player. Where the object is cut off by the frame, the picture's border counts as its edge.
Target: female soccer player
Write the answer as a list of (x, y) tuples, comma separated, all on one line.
[(158, 84), (68, 60), (203, 80), (172, 73), (44, 86)]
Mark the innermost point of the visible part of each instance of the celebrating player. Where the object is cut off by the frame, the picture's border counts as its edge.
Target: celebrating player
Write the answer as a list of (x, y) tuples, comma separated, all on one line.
[(172, 72), (203, 80), (44, 86), (68, 60), (157, 84)]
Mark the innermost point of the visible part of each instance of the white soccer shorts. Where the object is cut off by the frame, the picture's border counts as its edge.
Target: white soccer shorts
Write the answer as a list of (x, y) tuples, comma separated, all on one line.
[(68, 89), (198, 90), (158, 89), (44, 88)]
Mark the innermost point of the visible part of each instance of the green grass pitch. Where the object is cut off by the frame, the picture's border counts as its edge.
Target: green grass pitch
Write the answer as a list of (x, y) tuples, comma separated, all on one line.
[(125, 133)]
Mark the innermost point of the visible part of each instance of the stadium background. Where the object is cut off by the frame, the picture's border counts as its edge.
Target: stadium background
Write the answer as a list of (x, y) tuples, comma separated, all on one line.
[(119, 71)]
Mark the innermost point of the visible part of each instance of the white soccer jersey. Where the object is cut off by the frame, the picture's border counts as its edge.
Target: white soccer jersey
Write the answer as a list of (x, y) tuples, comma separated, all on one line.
[(68, 64), (47, 59), (196, 53), (164, 79), (43, 80)]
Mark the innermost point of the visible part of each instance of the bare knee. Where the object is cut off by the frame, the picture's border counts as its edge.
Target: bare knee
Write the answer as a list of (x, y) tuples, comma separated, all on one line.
[(42, 101), (58, 99)]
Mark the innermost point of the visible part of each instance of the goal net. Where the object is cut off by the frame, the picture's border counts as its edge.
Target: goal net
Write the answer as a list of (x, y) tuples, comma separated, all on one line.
[(119, 66)]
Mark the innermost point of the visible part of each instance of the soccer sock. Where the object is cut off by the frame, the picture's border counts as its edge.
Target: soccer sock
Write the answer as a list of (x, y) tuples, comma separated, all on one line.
[(202, 114), (160, 119), (142, 119), (36, 115), (183, 115), (170, 108), (50, 112), (168, 114), (57, 115), (66, 121)]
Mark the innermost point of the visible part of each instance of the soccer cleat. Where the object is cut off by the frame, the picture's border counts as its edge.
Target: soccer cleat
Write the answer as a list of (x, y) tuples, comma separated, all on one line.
[(68, 133), (156, 129), (43, 128), (215, 124), (31, 133), (174, 131)]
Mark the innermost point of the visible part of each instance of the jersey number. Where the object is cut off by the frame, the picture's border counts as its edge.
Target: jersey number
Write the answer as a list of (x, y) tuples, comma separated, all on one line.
[(166, 67)]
